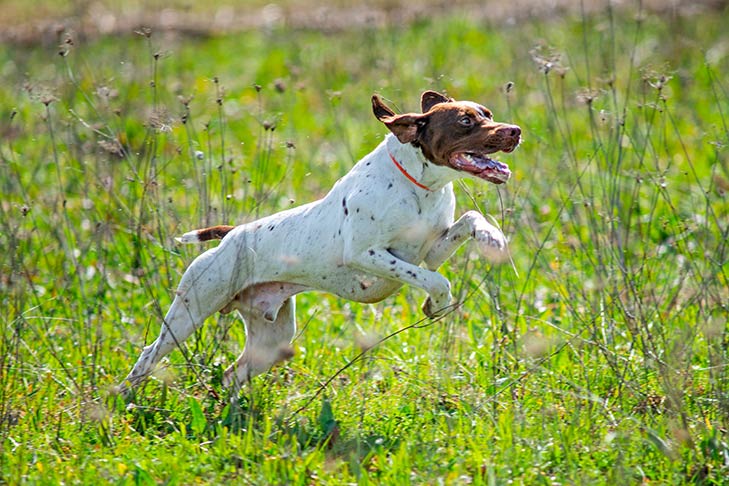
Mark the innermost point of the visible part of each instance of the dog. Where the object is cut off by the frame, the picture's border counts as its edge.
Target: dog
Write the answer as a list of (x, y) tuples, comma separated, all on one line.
[(393, 212)]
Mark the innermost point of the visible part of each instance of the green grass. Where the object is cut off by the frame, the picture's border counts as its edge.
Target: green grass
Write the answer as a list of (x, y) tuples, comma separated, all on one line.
[(599, 357)]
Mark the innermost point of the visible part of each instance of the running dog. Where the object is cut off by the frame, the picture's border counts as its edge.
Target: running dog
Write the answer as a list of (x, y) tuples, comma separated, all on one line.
[(388, 222)]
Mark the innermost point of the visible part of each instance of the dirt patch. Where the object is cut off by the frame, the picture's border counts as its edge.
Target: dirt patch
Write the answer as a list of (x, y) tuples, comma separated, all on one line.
[(48, 20)]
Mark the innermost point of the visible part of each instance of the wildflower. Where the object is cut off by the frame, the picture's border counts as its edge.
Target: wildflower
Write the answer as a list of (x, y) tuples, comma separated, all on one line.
[(112, 146), (144, 32), (548, 61), (279, 85), (586, 96), (160, 121)]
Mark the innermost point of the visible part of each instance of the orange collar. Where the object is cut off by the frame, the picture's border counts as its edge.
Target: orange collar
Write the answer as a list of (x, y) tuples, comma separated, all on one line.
[(406, 174)]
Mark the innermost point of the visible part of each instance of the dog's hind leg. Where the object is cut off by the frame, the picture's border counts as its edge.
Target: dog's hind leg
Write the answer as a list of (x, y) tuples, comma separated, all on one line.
[(177, 326), (267, 342), (206, 286)]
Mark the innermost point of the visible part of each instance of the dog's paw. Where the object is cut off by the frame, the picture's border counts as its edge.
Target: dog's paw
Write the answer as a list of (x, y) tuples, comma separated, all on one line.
[(435, 310), (492, 244)]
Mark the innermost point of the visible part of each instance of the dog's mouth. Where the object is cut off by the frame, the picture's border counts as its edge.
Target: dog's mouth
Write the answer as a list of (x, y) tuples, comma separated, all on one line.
[(482, 166)]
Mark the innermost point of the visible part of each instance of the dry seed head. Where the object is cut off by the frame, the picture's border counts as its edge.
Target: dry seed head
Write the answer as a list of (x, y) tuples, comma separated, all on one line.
[(40, 93), (112, 146), (160, 120), (66, 44), (587, 96), (608, 81), (279, 85), (185, 100), (656, 78), (548, 61), (144, 32), (47, 98)]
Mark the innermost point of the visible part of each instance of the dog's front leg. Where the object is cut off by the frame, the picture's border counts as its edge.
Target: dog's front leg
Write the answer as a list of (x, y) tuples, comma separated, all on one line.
[(491, 241), (382, 263)]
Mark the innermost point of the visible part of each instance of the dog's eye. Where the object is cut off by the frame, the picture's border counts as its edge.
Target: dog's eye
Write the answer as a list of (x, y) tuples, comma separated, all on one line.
[(465, 121)]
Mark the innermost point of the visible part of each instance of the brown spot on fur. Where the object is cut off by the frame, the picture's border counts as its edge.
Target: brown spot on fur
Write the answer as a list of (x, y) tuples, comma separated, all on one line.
[(214, 232)]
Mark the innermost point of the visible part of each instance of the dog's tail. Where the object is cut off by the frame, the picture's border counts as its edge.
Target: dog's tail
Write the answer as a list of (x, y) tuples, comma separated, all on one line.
[(205, 234)]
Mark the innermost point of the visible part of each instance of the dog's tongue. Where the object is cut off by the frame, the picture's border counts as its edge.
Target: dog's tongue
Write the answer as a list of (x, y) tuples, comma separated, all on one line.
[(482, 167)]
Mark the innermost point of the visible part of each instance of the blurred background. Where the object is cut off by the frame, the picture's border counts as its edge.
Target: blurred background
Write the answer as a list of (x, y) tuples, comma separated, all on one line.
[(34, 21)]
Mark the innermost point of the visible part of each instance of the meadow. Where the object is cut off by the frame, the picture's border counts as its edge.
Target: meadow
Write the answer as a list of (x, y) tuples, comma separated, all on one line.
[(597, 355)]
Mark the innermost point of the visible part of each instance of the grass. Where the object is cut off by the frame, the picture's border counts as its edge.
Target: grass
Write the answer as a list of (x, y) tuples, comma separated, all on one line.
[(599, 357)]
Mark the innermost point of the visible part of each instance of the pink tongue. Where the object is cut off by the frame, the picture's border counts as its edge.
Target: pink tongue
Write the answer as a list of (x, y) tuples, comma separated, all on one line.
[(483, 167), (496, 165), (480, 164)]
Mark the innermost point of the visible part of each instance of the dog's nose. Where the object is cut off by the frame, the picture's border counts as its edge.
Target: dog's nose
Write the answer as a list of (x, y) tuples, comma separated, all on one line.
[(509, 131), (514, 131)]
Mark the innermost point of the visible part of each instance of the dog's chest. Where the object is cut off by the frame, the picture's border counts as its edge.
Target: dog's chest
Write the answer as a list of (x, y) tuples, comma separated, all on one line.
[(381, 206), (417, 223)]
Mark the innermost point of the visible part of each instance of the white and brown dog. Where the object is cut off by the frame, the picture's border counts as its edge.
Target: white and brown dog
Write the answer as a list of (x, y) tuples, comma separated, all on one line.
[(392, 212)]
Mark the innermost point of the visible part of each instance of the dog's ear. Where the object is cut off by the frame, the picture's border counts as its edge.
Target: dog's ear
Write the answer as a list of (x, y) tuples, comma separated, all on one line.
[(380, 109), (431, 98), (404, 127)]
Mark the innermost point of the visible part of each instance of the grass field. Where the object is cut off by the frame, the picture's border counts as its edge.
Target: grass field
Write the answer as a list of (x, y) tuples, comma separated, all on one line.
[(599, 356)]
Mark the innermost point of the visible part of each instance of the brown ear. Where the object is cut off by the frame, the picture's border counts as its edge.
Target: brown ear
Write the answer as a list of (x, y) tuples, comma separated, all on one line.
[(431, 98), (380, 109), (404, 127)]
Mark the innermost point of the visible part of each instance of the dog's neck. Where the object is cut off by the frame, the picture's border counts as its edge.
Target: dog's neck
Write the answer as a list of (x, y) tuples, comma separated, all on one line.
[(412, 163)]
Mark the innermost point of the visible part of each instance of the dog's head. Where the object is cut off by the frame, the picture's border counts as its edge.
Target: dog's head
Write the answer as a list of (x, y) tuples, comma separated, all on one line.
[(456, 134)]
